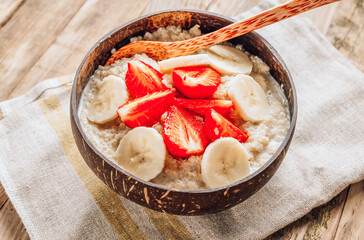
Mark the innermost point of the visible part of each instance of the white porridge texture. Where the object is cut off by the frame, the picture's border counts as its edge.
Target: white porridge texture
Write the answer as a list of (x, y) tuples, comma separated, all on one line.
[(265, 136)]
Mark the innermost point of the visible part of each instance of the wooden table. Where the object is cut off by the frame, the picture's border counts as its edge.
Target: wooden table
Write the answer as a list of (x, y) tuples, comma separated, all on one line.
[(40, 39)]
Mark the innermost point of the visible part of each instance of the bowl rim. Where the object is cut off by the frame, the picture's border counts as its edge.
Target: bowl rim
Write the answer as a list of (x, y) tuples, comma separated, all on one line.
[(286, 140)]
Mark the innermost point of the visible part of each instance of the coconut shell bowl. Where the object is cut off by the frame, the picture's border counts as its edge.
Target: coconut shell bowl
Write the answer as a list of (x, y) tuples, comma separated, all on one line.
[(161, 198)]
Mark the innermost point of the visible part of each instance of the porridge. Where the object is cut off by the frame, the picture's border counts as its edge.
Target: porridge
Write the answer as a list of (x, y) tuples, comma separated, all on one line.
[(175, 131)]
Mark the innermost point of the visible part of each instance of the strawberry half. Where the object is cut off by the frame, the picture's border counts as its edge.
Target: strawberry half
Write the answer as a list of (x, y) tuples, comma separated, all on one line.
[(216, 126), (147, 110), (202, 106), (196, 81), (183, 134), (142, 79)]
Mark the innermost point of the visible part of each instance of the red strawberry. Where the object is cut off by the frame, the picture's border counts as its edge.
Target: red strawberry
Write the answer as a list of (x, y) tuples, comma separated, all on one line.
[(142, 79), (183, 134), (196, 81), (216, 126), (202, 106), (147, 110)]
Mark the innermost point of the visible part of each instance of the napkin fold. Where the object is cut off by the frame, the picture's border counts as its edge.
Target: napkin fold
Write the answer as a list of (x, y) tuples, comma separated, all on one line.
[(58, 197)]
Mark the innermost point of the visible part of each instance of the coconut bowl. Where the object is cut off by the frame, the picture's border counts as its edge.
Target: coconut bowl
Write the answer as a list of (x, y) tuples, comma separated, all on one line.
[(161, 198)]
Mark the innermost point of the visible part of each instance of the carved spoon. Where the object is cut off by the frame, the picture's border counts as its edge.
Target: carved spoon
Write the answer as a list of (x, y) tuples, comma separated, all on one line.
[(164, 50)]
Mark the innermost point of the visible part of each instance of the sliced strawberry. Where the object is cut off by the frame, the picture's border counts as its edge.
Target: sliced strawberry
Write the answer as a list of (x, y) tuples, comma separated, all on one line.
[(142, 79), (216, 126), (183, 134), (202, 106), (196, 81), (147, 110)]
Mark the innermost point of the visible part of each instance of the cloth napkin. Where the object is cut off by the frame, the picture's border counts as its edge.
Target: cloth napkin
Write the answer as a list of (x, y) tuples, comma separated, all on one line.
[(58, 197)]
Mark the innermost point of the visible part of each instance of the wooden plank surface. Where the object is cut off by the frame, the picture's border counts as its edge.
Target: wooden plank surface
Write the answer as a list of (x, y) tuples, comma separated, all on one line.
[(160, 5), (352, 219), (28, 34), (8, 9), (320, 223), (93, 20), (346, 31), (3, 196), (11, 225), (41, 39)]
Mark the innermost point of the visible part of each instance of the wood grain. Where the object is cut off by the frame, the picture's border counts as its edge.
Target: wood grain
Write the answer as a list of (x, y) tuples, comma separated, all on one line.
[(43, 51), (11, 226), (7, 9), (161, 50), (351, 222), (320, 223), (321, 17), (91, 22), (346, 31), (28, 34), (233, 8), (159, 5)]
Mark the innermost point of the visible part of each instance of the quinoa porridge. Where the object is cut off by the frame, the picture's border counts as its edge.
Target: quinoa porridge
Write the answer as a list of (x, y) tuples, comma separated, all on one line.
[(264, 137)]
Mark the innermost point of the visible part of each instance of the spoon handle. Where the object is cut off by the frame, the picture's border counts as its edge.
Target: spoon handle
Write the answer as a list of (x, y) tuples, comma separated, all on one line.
[(164, 50), (263, 19)]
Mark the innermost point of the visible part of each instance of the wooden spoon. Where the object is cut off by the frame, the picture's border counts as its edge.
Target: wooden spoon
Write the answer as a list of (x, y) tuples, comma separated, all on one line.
[(164, 50)]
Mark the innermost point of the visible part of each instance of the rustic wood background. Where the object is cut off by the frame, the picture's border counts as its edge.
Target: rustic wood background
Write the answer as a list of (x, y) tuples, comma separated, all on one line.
[(40, 39)]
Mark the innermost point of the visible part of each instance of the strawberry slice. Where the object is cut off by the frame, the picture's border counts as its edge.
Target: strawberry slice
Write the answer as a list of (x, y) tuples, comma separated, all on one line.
[(183, 134), (216, 126), (142, 79), (202, 106), (196, 81), (147, 110)]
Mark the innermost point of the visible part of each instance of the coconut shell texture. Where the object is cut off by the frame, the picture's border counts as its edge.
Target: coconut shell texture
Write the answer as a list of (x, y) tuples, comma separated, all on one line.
[(160, 198)]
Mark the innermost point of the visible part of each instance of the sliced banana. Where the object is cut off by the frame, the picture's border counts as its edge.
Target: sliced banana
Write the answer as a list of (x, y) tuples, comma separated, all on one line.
[(142, 153), (229, 60), (224, 161), (109, 96), (184, 61), (248, 98)]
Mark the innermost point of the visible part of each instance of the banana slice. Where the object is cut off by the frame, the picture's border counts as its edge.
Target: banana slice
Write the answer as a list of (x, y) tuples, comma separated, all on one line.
[(110, 95), (229, 60), (248, 98), (142, 152), (224, 161), (184, 61)]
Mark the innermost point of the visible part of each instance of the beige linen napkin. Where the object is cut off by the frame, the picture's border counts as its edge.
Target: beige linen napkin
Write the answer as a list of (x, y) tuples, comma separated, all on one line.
[(58, 197)]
